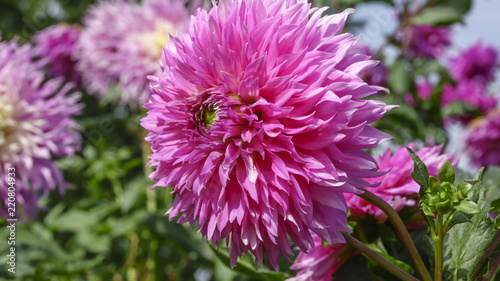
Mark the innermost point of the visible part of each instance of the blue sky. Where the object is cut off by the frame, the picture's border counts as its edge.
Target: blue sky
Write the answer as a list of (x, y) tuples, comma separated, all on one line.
[(483, 22)]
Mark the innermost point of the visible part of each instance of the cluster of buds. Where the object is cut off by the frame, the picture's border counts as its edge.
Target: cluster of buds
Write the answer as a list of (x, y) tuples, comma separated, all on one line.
[(443, 196)]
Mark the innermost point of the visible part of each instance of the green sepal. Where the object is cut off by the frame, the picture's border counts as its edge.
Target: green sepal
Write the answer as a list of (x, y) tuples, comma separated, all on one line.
[(433, 181), (444, 207), (496, 221), (447, 173), (464, 188), (447, 188), (495, 206), (468, 207)]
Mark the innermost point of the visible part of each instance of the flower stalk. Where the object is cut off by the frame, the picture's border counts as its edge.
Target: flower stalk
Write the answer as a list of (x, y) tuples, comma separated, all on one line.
[(387, 265), (401, 231), (438, 238)]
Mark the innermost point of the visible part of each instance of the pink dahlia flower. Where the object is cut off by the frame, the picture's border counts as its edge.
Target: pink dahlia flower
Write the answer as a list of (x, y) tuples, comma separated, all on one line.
[(35, 125), (483, 140), (477, 63), (427, 41), (55, 47), (321, 262), (122, 42), (397, 187), (258, 122), (469, 92)]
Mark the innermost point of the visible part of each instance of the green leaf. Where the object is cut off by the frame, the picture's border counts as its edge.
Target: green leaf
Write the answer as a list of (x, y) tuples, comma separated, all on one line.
[(438, 16), (466, 243), (73, 220), (497, 222), (460, 5), (399, 79), (248, 269), (403, 122), (479, 175), (447, 173), (379, 248), (495, 206), (419, 173), (457, 109), (444, 12), (468, 207), (458, 217), (492, 182)]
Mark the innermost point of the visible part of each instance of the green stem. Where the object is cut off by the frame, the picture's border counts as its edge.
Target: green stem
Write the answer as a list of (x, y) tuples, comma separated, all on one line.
[(438, 239), (361, 233), (117, 188), (401, 231), (150, 195), (387, 265)]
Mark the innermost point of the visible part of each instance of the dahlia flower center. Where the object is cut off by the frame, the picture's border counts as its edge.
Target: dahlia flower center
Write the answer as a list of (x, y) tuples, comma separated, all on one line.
[(154, 41), (10, 130), (208, 115), (7, 121)]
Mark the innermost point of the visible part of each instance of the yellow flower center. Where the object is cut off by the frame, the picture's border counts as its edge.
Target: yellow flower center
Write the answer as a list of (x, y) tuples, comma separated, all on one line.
[(154, 41)]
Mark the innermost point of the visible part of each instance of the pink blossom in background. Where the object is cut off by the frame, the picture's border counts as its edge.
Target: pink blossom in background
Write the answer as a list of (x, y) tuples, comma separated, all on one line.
[(55, 49), (477, 63), (376, 75), (470, 93), (424, 89), (35, 126), (259, 121), (122, 42), (426, 41), (397, 187), (483, 140), (321, 262)]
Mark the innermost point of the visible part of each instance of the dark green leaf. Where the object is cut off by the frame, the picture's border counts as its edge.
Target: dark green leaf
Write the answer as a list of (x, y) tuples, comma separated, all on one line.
[(458, 217), (419, 173), (495, 205), (466, 243), (379, 248)]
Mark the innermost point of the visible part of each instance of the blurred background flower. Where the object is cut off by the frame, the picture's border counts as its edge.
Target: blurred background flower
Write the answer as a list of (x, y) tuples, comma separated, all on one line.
[(483, 139), (35, 125), (121, 45), (55, 48)]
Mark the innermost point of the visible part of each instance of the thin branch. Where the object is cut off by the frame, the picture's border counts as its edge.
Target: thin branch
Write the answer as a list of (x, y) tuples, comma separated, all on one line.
[(387, 265), (401, 231)]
